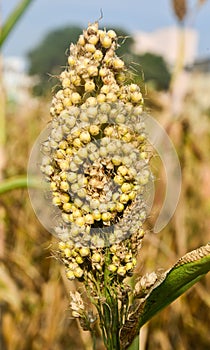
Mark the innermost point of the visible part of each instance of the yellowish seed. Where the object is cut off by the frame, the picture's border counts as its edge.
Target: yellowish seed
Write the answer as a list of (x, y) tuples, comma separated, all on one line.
[(85, 136), (121, 270), (80, 221), (101, 33), (77, 143), (65, 198), (132, 195), (79, 260), (75, 97), (76, 212), (115, 260), (60, 154), (67, 207), (103, 72), (81, 40), (116, 160), (124, 198), (81, 193), (141, 233), (126, 187), (120, 207), (96, 258), (136, 97), (106, 41), (70, 275), (59, 108), (62, 245), (92, 71), (90, 48), (70, 244), (112, 34), (118, 179), (78, 272), (89, 219), (64, 186), (129, 266), (111, 97), (96, 215), (63, 145), (94, 130), (106, 216), (89, 86), (67, 102), (143, 155), (53, 186), (109, 130), (84, 251), (122, 170), (59, 94), (112, 207), (66, 83), (112, 268), (63, 175), (91, 101), (93, 39), (114, 248), (56, 201), (128, 257), (67, 252), (127, 137), (118, 63), (69, 151), (101, 98), (71, 60), (134, 262), (105, 89), (77, 81), (64, 164), (98, 55)]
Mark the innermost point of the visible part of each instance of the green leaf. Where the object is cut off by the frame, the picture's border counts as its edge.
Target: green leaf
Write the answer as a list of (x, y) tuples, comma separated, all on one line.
[(13, 19), (184, 274), (19, 182), (135, 344)]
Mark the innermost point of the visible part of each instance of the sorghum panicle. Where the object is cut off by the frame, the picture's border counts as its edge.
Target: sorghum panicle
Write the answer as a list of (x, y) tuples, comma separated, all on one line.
[(96, 162)]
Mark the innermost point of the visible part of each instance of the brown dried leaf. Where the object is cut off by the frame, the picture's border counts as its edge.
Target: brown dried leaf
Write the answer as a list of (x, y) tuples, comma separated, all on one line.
[(180, 9)]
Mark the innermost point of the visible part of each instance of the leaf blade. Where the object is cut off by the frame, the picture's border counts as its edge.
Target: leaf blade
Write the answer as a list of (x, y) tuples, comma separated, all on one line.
[(183, 275), (13, 19)]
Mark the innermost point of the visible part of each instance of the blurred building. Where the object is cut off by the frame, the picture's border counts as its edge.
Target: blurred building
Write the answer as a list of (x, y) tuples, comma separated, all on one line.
[(16, 81), (202, 65), (165, 42)]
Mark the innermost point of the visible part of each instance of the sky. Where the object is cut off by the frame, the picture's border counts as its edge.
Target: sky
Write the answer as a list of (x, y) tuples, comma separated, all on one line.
[(133, 15)]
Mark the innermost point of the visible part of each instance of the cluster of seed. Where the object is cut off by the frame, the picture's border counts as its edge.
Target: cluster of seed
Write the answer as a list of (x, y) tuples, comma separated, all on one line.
[(79, 261), (94, 73), (96, 160), (97, 172)]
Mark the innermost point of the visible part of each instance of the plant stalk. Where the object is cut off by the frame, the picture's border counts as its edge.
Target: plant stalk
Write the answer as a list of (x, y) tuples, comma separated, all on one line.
[(13, 19)]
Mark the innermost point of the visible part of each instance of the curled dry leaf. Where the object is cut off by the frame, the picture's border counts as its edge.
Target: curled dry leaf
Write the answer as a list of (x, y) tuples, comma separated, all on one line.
[(180, 9)]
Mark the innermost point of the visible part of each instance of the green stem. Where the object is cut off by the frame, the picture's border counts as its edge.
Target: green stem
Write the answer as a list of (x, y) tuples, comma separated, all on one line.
[(18, 182), (13, 19), (110, 308)]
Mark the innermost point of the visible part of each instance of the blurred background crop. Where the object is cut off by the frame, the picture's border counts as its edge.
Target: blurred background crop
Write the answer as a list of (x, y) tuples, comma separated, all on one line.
[(167, 47)]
